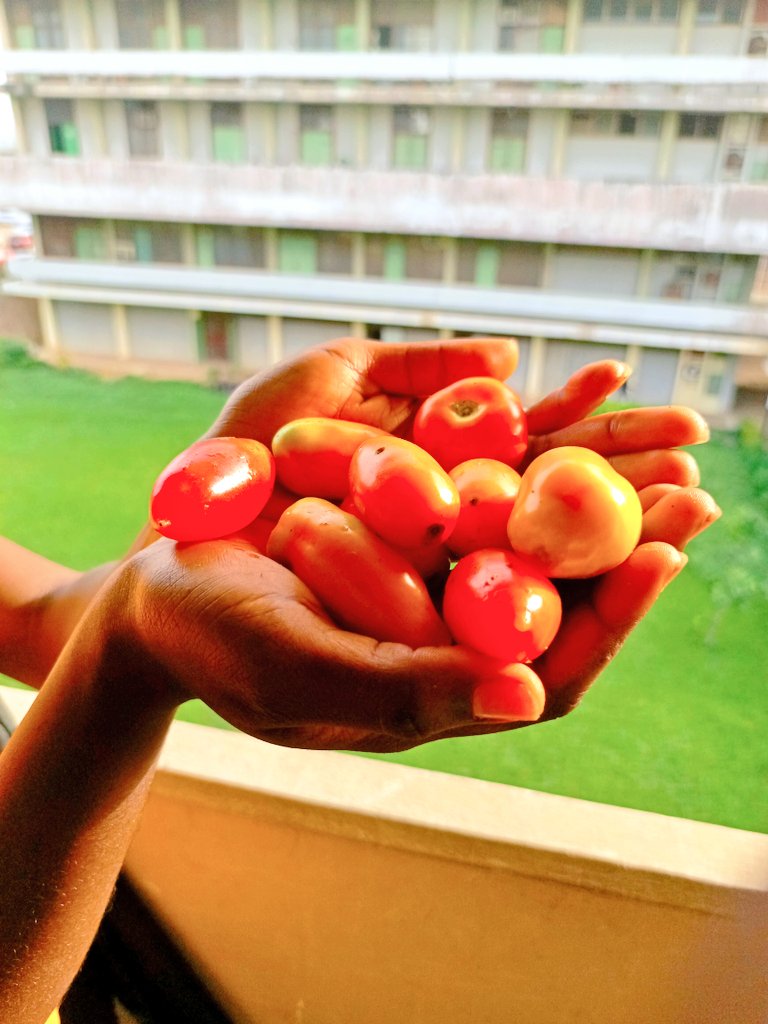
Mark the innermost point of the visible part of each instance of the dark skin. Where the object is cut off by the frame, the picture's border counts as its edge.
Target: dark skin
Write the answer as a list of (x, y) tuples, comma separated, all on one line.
[(120, 648)]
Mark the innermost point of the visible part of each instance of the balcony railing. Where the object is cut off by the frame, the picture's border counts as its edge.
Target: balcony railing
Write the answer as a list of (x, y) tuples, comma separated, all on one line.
[(703, 218), (651, 323), (389, 66)]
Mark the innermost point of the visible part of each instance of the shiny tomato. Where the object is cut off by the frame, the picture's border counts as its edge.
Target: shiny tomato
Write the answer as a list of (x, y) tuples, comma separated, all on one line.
[(364, 585), (402, 493), (478, 417), (213, 488), (428, 559), (575, 516), (487, 490), (312, 454), (501, 605)]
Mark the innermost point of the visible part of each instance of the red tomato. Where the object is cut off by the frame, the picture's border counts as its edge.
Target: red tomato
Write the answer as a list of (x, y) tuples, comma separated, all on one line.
[(478, 417), (499, 604), (402, 493), (487, 489), (213, 488), (360, 580), (312, 454), (575, 516), (428, 560)]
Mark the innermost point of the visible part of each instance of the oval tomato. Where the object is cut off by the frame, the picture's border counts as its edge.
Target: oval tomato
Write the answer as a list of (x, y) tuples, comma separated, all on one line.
[(402, 493), (360, 580), (501, 605), (478, 417), (487, 491), (312, 454), (213, 488), (428, 559), (575, 516)]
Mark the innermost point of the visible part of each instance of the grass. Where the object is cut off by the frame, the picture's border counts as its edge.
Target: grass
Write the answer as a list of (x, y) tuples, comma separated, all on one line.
[(677, 724)]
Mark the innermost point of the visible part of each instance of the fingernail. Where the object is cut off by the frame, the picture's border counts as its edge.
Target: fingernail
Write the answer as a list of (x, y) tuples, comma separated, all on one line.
[(679, 562), (624, 370), (505, 700)]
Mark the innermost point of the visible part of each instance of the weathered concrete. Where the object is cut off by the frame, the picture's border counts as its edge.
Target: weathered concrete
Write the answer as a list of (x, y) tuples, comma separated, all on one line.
[(700, 218)]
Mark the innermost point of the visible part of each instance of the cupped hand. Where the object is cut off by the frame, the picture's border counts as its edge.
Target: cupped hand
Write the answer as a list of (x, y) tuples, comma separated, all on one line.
[(269, 660)]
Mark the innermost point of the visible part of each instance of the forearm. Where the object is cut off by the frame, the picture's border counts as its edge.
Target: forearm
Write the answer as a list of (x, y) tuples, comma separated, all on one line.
[(40, 603), (73, 780)]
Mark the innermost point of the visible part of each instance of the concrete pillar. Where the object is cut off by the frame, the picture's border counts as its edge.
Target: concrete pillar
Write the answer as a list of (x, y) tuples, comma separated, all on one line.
[(670, 121), (6, 43), (361, 136), (451, 261), (120, 332), (22, 145), (633, 358), (188, 245), (173, 24), (358, 255), (546, 265), (685, 26), (559, 143), (458, 139), (271, 255), (274, 339), (574, 16), (644, 273), (363, 23), (51, 339), (534, 382)]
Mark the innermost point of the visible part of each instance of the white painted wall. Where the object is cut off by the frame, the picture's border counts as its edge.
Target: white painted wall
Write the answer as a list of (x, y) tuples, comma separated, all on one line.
[(85, 327), (162, 334)]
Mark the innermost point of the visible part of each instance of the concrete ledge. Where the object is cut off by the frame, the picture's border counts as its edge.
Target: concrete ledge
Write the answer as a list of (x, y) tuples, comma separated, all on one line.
[(314, 886)]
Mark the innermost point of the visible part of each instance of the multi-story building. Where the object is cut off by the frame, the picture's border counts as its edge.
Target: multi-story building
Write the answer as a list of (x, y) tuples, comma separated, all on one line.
[(217, 184)]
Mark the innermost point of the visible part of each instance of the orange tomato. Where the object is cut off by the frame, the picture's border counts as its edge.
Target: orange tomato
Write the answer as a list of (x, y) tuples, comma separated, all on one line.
[(487, 491), (501, 605), (575, 516), (402, 493), (312, 454), (478, 417), (365, 585)]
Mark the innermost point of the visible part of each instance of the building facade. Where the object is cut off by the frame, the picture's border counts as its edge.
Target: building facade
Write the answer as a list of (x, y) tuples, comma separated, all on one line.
[(217, 185)]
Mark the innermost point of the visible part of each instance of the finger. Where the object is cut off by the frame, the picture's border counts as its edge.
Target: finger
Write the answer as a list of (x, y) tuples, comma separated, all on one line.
[(594, 631), (581, 394), (630, 430), (421, 368), (516, 699), (645, 469), (650, 495), (679, 516)]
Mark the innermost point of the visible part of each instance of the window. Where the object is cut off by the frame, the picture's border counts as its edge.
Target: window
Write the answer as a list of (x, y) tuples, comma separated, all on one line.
[(615, 122), (700, 126), (511, 264), (228, 141), (411, 134), (531, 26), (327, 25), (36, 23), (334, 252), (297, 252), (62, 130), (385, 257), (224, 246), (657, 11), (509, 131), (143, 124), (141, 24), (719, 12), (209, 26), (68, 237), (316, 134), (402, 24), (148, 242)]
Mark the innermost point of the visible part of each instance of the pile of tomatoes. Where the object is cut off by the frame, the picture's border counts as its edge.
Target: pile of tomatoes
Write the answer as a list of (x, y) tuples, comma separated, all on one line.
[(424, 541)]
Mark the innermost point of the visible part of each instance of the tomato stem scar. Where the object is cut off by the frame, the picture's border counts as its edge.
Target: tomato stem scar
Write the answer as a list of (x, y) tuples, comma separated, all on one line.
[(465, 407)]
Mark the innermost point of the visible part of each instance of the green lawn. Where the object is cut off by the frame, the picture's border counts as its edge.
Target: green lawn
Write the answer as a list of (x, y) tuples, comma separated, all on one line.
[(678, 724)]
